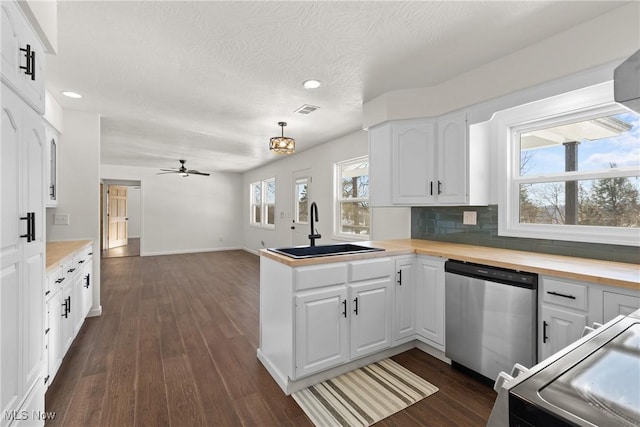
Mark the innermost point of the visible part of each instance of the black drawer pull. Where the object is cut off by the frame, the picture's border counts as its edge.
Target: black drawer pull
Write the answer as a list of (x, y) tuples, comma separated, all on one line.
[(544, 331), (561, 295), (71, 270), (399, 277), (344, 308), (355, 301)]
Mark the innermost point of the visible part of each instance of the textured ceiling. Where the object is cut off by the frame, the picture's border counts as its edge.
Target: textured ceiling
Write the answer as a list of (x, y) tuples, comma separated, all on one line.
[(208, 81)]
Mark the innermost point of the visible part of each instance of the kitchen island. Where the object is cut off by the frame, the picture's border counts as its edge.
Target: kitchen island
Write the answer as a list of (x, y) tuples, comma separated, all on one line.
[(323, 316)]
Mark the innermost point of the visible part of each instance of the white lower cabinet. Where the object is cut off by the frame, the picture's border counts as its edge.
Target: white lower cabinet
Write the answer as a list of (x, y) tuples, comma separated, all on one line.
[(321, 331), (335, 324), (430, 299), (560, 327), (615, 304), (404, 312), (53, 334)]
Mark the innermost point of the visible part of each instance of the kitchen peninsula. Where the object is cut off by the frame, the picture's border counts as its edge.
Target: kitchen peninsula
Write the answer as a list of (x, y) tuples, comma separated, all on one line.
[(323, 316)]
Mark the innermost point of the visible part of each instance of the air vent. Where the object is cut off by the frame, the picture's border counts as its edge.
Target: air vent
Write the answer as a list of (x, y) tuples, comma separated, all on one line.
[(306, 109)]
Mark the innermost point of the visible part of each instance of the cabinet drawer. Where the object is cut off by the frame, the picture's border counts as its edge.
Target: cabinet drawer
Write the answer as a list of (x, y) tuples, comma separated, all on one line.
[(320, 275), (53, 282), (370, 269), (566, 294), (69, 268)]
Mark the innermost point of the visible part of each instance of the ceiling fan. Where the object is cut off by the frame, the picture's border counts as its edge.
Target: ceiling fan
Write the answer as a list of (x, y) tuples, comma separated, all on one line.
[(182, 170)]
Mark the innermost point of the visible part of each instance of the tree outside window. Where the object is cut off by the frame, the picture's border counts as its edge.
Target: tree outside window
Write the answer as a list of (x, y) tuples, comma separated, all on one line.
[(353, 217)]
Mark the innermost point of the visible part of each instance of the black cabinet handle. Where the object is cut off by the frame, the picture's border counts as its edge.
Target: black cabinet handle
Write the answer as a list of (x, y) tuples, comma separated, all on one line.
[(46, 379), (46, 331), (90, 253), (47, 293), (561, 295), (81, 261), (399, 277), (69, 304), (66, 309), (431, 188), (355, 301), (71, 270), (87, 280), (52, 191), (30, 62), (31, 226), (439, 187), (344, 308), (544, 331), (60, 280)]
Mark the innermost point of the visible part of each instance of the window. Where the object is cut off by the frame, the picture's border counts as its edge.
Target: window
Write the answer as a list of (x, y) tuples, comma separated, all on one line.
[(353, 218), (573, 174), (263, 203), (301, 200)]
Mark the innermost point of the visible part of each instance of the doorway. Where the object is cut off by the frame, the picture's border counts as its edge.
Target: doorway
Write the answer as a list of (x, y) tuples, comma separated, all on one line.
[(301, 195), (121, 218)]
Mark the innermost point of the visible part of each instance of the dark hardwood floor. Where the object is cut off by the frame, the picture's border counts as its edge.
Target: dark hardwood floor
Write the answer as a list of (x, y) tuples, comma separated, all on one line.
[(176, 346), (132, 248)]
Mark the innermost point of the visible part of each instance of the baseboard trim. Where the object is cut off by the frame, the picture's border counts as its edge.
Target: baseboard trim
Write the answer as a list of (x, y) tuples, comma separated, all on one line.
[(95, 312), (191, 251), (252, 251)]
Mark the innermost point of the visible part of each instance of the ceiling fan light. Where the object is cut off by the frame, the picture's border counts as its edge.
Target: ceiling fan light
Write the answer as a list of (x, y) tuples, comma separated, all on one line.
[(282, 144)]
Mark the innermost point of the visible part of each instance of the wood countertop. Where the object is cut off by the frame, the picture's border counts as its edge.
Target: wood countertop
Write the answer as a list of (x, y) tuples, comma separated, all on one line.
[(589, 270), (58, 251)]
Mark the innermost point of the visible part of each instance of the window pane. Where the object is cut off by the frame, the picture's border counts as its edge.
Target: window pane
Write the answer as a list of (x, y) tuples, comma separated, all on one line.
[(613, 202), (270, 195), (586, 145), (257, 193), (354, 217), (356, 186), (257, 214), (301, 195), (271, 214)]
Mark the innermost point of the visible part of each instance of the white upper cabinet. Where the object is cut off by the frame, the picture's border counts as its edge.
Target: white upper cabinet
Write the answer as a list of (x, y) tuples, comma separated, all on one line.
[(23, 57), (427, 161), (412, 162)]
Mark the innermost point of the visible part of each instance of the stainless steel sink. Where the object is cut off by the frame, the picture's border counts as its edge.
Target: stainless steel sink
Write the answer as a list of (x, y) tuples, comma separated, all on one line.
[(323, 250)]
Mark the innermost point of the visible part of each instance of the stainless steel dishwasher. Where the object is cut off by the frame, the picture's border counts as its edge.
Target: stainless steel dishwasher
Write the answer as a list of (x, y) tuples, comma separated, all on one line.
[(490, 317)]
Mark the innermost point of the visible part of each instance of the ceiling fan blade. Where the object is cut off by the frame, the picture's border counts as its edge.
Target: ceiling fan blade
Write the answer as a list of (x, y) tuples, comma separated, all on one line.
[(169, 170), (164, 173), (195, 172)]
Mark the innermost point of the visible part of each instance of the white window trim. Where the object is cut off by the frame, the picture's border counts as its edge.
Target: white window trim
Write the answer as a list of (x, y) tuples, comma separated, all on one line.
[(263, 204), (508, 122), (337, 235)]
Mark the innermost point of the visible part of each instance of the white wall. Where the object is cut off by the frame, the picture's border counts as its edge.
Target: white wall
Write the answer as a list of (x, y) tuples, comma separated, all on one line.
[(181, 215), (79, 187), (393, 222), (134, 206)]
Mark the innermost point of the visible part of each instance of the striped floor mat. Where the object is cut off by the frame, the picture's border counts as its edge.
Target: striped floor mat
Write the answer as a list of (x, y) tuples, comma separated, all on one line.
[(364, 396)]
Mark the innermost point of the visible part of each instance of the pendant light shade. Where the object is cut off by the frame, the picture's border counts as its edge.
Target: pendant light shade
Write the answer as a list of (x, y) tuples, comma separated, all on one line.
[(282, 144)]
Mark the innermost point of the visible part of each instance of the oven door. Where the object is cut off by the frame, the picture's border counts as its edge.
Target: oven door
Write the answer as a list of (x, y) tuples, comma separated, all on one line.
[(596, 384)]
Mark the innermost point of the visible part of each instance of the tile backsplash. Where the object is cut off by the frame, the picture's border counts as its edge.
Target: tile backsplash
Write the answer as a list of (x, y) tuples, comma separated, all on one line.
[(445, 224)]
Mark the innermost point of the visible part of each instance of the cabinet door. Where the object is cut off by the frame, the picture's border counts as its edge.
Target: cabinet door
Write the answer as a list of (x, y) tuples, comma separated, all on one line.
[(413, 162), (615, 304), (370, 316), (558, 329), (404, 314), (321, 337), (32, 307), (10, 51), (380, 165), (87, 288), (68, 325), (54, 335), (452, 158), (76, 298), (430, 299)]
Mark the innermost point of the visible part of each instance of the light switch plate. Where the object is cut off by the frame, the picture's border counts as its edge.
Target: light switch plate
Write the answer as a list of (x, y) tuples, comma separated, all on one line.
[(61, 219), (470, 218)]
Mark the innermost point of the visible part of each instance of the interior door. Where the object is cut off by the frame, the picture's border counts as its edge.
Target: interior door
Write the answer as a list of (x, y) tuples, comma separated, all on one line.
[(118, 230), (301, 196)]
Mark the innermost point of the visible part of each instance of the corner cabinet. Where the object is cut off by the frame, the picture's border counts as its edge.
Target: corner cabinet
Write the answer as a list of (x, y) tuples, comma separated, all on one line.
[(404, 313), (426, 162), (430, 300)]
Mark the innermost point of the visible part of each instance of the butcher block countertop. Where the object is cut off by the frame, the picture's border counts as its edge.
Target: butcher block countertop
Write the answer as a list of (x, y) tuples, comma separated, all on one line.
[(58, 251), (602, 272)]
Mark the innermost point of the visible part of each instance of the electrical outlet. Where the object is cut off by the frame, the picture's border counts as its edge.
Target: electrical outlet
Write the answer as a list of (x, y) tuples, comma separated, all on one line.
[(61, 219), (470, 218)]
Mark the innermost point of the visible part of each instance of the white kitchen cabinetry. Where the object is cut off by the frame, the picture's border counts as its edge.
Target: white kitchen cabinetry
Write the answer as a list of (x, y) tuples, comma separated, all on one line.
[(427, 162), (51, 173), (68, 301), (321, 330), (23, 250), (413, 159), (430, 300), (370, 316), (23, 58), (404, 313), (566, 307)]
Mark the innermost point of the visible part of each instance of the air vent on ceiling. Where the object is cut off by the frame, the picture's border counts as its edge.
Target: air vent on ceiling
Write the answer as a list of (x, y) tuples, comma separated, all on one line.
[(306, 109)]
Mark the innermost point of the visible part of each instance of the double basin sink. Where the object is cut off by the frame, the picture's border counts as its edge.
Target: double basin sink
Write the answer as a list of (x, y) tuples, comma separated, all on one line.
[(299, 252)]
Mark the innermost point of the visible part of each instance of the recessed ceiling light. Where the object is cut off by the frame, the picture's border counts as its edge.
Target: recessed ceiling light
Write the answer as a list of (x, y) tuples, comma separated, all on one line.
[(71, 94), (311, 84)]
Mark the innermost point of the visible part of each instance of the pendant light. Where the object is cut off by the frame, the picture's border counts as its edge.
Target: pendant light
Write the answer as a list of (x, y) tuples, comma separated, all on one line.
[(282, 144)]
